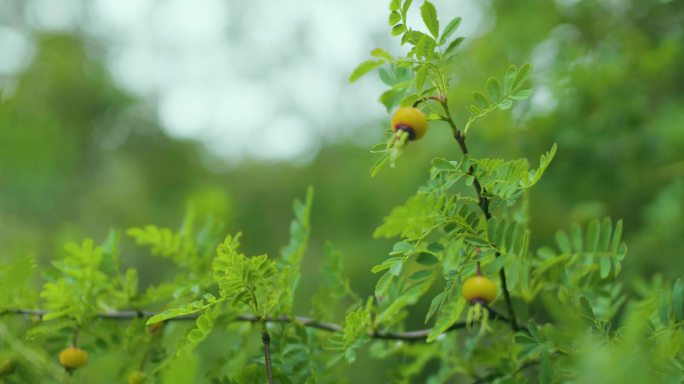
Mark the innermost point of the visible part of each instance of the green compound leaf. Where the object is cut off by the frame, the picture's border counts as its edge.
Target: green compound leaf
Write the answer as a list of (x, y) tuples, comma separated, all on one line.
[(394, 18), (449, 30), (429, 15), (364, 68)]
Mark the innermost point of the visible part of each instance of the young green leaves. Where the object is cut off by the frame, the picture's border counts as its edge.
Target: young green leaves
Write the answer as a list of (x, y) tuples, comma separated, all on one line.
[(585, 263), (196, 306), (397, 16), (419, 76), (300, 230), (429, 15), (501, 180), (364, 68), (85, 283), (426, 49), (498, 96)]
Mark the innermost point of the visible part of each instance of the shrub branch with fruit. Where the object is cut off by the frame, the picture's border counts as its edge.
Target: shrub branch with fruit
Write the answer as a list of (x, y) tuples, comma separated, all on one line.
[(496, 311)]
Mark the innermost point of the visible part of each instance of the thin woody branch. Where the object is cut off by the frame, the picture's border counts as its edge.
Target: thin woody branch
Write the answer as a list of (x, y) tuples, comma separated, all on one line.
[(266, 340), (412, 336), (483, 202)]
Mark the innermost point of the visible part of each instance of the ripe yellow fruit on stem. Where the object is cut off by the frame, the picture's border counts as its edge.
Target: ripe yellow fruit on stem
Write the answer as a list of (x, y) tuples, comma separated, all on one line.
[(73, 358), (479, 288), (410, 120)]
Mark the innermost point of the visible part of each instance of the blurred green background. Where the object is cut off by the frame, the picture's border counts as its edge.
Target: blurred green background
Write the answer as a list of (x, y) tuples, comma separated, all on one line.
[(86, 145)]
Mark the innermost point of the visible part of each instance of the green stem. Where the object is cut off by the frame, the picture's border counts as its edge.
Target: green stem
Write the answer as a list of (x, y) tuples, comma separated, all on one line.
[(74, 339)]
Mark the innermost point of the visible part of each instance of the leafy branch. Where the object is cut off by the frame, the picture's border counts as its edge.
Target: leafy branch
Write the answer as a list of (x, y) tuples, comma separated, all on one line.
[(498, 97), (483, 202), (415, 336)]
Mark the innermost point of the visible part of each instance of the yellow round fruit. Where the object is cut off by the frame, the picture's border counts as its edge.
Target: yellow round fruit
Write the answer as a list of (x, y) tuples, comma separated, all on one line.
[(73, 358), (479, 288), (137, 377), (410, 120)]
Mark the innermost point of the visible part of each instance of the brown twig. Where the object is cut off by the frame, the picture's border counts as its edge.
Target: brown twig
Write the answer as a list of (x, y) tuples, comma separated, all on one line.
[(483, 202), (266, 339), (412, 336)]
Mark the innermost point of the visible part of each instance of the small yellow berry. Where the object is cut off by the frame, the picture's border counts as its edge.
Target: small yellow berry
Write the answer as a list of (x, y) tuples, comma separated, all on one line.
[(410, 120), (73, 358), (479, 288)]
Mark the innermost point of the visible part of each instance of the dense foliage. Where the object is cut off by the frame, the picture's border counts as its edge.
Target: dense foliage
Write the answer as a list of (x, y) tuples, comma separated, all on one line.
[(562, 313)]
